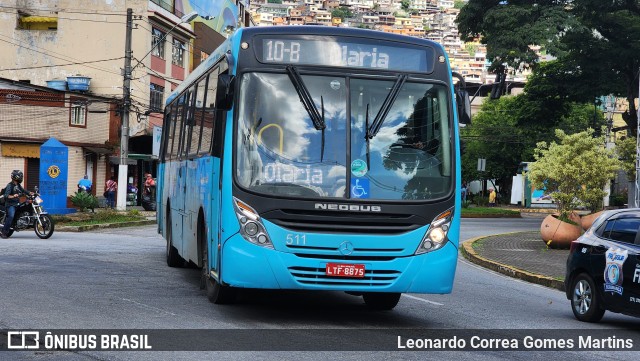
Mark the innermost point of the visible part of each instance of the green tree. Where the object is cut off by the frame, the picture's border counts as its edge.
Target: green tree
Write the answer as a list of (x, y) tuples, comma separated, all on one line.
[(342, 12), (574, 170), (471, 48), (594, 41), (626, 150), (494, 136), (458, 4), (506, 132), (274, 1), (405, 4)]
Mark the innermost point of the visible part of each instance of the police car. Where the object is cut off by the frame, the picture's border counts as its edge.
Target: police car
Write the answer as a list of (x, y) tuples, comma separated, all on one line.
[(603, 268)]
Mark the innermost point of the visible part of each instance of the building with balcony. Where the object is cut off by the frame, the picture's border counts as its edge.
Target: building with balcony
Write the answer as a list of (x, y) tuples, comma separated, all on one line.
[(85, 123), (48, 41)]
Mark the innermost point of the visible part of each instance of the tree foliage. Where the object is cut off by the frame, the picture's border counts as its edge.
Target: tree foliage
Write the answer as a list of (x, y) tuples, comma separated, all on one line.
[(342, 13), (596, 43), (626, 150), (574, 170), (506, 131)]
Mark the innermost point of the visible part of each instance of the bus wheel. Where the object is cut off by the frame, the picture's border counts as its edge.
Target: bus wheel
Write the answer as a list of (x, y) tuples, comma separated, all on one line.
[(381, 300), (173, 258), (219, 294)]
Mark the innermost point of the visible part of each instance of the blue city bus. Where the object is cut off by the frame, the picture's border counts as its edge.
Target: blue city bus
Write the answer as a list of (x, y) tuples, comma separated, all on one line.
[(315, 158)]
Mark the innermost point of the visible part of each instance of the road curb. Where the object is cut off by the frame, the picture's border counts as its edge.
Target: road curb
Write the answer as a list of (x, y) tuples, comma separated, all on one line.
[(90, 227), (469, 253)]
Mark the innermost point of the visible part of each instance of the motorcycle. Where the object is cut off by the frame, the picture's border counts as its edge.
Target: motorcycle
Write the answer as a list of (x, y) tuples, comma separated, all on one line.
[(149, 198), (29, 214)]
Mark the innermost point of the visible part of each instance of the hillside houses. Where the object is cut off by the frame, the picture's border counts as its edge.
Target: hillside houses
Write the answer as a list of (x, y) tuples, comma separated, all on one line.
[(428, 19)]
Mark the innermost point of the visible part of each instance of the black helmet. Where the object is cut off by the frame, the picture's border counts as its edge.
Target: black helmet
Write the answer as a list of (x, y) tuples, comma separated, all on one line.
[(17, 176)]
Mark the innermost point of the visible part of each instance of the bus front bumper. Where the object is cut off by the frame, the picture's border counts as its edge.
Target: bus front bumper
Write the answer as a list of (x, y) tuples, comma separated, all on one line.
[(246, 265)]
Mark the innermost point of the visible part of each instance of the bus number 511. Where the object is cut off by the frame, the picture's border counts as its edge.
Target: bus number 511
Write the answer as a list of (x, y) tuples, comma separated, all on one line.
[(297, 239)]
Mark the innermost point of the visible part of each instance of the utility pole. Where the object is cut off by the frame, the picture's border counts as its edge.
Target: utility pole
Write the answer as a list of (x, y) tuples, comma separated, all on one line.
[(123, 168), (608, 142), (637, 185)]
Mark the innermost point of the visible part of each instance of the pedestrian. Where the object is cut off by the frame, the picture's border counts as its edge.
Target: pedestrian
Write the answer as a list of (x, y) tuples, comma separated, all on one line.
[(492, 197), (148, 180), (12, 193), (84, 185), (463, 192), (110, 191)]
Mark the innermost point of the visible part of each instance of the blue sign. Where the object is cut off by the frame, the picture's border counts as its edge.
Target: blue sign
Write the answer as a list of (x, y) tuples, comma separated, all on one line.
[(360, 188), (54, 172)]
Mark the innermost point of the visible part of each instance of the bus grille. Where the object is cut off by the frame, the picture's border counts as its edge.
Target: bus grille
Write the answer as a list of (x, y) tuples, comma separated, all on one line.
[(312, 221), (317, 276)]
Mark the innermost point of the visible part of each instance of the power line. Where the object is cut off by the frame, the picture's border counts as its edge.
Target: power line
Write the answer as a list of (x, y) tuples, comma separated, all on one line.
[(53, 56), (76, 63), (70, 11), (76, 19)]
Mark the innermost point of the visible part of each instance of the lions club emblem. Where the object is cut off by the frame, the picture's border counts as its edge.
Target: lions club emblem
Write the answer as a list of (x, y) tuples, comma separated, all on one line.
[(53, 171)]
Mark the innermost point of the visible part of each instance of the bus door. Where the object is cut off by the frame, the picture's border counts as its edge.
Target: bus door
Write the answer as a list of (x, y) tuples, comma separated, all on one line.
[(211, 140), (179, 172)]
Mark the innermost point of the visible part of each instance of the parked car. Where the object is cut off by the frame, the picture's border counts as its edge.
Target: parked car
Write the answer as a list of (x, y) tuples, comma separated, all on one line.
[(603, 268)]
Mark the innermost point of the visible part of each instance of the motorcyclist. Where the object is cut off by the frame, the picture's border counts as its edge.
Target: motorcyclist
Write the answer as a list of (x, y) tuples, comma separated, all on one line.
[(12, 194), (84, 185)]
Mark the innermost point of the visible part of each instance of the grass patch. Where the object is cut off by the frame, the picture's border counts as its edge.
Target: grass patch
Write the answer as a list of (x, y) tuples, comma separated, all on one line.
[(107, 216), (489, 211), (478, 245)]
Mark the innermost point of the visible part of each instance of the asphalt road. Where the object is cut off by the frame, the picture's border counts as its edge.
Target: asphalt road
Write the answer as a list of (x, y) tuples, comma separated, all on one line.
[(118, 279)]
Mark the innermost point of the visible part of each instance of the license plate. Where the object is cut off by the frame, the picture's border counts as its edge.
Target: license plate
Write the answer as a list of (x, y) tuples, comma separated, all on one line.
[(345, 270)]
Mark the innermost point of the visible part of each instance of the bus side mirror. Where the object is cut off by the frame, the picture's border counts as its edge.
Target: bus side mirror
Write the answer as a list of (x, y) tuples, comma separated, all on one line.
[(464, 107), (462, 99), (224, 94)]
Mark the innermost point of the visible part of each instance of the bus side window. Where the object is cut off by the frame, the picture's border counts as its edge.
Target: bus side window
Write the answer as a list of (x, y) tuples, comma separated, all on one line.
[(190, 123), (176, 120), (198, 112), (166, 135), (209, 112), (183, 124)]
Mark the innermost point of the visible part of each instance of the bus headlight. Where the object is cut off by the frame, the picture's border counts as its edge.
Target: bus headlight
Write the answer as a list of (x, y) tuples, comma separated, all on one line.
[(251, 227), (436, 236)]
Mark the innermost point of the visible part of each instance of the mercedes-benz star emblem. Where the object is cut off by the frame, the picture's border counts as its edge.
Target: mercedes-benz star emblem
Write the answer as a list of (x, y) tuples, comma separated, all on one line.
[(346, 248)]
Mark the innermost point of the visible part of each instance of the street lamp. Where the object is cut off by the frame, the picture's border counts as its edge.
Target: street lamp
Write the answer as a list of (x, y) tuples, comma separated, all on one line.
[(123, 168)]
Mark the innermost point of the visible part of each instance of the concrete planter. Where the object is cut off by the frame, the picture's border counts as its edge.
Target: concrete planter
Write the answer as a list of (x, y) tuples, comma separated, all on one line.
[(587, 221), (558, 234)]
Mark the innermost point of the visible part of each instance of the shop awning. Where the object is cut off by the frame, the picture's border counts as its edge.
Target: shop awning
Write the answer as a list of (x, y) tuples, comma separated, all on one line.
[(116, 160), (38, 19), (140, 156), (99, 150), (21, 150)]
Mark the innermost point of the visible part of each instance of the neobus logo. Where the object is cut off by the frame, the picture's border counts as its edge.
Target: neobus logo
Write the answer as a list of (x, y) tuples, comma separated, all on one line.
[(348, 207)]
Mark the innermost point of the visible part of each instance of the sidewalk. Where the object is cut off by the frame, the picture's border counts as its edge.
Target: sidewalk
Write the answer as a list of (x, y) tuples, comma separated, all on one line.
[(521, 255)]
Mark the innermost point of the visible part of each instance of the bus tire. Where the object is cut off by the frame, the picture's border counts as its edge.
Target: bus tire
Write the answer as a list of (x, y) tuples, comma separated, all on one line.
[(381, 301), (173, 257), (219, 294)]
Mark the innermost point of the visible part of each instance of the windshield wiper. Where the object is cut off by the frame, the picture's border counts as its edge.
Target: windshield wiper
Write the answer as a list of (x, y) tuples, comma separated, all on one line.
[(386, 106), (305, 97), (366, 137)]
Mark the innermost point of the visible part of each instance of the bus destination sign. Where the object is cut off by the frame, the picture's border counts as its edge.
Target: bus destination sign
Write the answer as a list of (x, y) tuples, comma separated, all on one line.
[(347, 54)]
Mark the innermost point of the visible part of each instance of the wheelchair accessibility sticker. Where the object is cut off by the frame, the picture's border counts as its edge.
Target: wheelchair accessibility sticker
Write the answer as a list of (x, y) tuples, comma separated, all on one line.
[(359, 188)]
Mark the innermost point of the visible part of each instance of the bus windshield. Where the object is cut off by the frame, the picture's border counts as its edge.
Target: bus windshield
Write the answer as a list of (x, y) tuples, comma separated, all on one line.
[(281, 153)]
